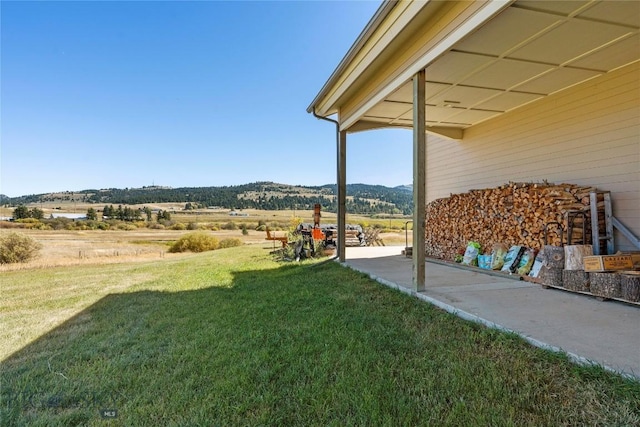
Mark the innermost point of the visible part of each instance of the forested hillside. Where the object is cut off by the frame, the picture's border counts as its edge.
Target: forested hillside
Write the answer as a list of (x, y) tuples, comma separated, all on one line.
[(361, 198)]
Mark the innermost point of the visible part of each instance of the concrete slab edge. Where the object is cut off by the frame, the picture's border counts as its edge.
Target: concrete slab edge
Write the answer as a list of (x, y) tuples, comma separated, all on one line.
[(494, 273), (575, 358)]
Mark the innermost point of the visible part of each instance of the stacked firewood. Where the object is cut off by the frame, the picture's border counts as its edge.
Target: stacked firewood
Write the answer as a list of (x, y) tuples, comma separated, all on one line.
[(513, 214)]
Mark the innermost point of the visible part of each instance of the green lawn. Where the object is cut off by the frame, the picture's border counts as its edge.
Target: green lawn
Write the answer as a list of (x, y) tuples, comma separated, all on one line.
[(233, 338)]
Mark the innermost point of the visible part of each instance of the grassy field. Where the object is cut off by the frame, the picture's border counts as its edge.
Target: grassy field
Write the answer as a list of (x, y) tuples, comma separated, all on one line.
[(141, 243), (72, 247), (276, 219), (235, 338)]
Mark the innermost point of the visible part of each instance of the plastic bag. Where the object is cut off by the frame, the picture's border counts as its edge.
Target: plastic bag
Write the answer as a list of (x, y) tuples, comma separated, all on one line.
[(537, 265), (498, 253), (471, 254), (512, 259), (484, 262), (526, 262)]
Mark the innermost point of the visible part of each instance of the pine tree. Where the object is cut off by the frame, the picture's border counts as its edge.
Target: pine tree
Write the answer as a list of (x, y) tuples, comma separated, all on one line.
[(92, 214)]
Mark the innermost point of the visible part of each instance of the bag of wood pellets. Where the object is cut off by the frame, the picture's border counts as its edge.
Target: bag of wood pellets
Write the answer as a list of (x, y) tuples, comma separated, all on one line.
[(498, 253), (526, 262), (512, 259), (471, 254), (484, 262), (537, 265)]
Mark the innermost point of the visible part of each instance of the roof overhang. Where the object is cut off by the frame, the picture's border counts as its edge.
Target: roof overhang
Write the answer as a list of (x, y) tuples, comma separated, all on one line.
[(482, 59)]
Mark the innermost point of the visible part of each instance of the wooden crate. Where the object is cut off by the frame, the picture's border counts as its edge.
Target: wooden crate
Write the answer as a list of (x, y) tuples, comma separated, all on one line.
[(598, 263)]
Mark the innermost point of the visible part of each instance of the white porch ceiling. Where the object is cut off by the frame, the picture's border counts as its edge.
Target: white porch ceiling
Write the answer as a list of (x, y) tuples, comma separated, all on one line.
[(530, 50)]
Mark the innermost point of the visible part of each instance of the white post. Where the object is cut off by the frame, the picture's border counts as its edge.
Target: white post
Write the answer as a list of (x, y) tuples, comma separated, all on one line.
[(419, 180), (342, 194)]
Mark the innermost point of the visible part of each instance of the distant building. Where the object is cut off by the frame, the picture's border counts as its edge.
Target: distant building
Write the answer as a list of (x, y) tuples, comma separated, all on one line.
[(71, 216)]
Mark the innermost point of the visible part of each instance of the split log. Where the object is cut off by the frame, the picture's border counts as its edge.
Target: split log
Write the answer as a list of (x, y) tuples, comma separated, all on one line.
[(512, 214), (605, 285), (630, 286), (576, 280)]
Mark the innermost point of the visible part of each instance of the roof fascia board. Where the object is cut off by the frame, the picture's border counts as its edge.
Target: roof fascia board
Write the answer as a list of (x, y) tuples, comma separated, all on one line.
[(373, 48), (373, 24), (484, 14), (424, 31)]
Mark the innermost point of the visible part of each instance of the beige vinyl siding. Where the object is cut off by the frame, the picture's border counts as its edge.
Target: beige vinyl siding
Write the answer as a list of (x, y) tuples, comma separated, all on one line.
[(587, 135)]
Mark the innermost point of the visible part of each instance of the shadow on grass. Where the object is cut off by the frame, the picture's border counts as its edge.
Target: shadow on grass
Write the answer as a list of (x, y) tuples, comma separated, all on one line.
[(297, 345), (155, 356)]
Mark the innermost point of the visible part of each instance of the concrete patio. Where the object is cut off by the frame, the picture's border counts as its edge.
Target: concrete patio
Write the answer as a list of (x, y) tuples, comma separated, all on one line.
[(589, 331)]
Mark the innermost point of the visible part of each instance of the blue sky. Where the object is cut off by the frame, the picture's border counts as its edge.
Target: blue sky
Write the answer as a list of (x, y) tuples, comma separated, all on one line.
[(185, 94)]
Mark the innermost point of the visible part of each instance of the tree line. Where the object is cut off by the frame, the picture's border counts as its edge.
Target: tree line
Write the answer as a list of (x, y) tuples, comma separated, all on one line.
[(363, 198), (121, 213)]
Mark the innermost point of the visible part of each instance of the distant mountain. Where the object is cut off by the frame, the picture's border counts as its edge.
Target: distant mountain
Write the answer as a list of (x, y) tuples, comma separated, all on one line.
[(405, 187), (361, 198)]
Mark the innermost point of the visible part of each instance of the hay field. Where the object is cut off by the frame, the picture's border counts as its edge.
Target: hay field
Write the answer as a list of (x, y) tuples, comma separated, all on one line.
[(79, 247), (70, 247)]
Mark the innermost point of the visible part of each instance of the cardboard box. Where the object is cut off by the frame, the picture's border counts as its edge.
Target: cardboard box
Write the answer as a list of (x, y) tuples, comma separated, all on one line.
[(608, 262), (635, 256)]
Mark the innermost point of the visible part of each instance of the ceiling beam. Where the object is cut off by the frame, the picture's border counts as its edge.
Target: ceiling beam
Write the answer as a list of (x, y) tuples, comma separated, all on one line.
[(452, 133), (455, 134)]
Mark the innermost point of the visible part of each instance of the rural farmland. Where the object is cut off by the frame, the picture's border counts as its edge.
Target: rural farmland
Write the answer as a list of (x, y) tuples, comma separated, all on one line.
[(126, 242)]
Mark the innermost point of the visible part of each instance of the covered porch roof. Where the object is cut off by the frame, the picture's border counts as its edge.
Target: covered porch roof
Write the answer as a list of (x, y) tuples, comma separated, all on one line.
[(444, 66), (481, 59)]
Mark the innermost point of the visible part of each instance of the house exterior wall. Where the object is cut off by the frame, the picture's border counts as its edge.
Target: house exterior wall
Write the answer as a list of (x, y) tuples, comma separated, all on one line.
[(587, 135)]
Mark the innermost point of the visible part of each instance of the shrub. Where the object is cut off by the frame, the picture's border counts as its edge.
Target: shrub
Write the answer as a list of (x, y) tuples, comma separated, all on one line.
[(192, 226), (7, 224), (195, 242), (102, 226), (230, 226), (244, 230), (294, 222), (229, 243), (59, 223), (261, 227), (30, 222), (155, 226), (126, 226), (178, 226), (17, 247)]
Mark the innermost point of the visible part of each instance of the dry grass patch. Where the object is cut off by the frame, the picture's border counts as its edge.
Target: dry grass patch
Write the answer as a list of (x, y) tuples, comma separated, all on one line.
[(90, 247)]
